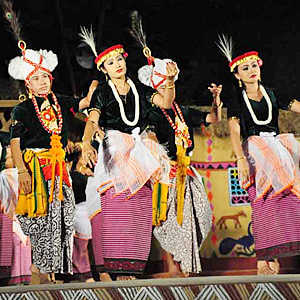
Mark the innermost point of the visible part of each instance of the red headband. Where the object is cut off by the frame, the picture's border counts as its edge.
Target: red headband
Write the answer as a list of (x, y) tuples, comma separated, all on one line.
[(108, 52), (243, 58)]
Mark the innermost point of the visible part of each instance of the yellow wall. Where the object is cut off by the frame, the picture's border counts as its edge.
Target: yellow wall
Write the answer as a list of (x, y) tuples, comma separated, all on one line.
[(221, 152)]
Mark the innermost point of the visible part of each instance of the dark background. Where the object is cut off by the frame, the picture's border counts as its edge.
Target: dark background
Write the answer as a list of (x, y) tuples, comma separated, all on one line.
[(183, 30)]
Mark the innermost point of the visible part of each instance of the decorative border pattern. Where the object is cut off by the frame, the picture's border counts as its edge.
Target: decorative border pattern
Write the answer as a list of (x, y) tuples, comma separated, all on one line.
[(237, 195), (235, 291)]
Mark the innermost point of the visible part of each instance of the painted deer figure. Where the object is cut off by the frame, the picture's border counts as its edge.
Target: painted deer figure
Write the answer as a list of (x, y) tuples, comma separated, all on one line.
[(222, 221)]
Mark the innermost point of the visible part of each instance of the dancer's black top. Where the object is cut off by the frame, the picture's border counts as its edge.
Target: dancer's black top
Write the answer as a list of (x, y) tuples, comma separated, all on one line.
[(237, 107), (104, 100), (165, 133), (27, 127)]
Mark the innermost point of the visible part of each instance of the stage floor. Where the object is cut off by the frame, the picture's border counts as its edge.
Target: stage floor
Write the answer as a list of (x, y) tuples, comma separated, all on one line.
[(276, 287)]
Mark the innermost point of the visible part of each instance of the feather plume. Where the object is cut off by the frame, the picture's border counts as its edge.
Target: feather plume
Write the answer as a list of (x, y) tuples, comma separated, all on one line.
[(88, 38), (226, 46), (136, 29), (12, 18)]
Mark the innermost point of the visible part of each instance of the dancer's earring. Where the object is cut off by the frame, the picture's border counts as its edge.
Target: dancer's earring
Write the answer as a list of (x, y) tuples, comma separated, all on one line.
[(29, 94), (240, 83)]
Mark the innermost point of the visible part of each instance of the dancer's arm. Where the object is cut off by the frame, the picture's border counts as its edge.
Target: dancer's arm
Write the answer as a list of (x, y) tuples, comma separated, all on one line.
[(165, 96), (215, 114), (85, 102), (23, 176), (242, 163), (295, 106), (89, 153)]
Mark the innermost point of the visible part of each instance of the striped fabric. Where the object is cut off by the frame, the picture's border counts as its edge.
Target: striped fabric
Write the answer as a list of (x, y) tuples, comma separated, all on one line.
[(276, 224), (21, 263), (6, 241), (122, 232)]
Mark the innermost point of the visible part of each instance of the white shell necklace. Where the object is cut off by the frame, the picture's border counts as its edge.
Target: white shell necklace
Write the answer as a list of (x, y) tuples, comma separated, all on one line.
[(137, 103), (269, 103)]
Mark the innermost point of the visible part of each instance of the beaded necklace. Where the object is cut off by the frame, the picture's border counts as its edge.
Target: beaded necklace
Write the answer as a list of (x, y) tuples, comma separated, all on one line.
[(178, 133), (252, 113), (121, 106), (59, 115)]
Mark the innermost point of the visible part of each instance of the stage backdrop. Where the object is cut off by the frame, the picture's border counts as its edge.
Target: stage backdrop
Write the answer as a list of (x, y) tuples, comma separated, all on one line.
[(231, 234)]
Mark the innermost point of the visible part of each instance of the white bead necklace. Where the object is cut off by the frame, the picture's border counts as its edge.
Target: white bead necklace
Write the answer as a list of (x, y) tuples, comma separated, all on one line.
[(269, 103), (137, 103)]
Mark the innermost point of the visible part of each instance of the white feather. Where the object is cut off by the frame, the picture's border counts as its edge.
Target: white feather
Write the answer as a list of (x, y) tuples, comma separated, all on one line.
[(88, 37), (225, 45)]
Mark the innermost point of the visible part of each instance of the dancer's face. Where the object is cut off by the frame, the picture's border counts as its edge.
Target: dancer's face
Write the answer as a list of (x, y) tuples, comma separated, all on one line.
[(249, 71), (40, 83), (115, 67)]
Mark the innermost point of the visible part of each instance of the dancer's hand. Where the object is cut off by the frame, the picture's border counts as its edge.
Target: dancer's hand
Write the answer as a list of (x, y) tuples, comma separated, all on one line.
[(85, 171), (25, 182), (243, 170), (216, 92), (172, 71), (70, 147), (89, 155), (99, 135)]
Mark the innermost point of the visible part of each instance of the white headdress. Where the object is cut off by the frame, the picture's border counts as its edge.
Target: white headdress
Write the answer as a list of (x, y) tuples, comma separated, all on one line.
[(22, 67), (154, 75)]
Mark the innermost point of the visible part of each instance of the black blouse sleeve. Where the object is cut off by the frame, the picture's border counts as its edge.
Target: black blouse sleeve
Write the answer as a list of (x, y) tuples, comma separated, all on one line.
[(97, 101), (283, 102), (18, 128)]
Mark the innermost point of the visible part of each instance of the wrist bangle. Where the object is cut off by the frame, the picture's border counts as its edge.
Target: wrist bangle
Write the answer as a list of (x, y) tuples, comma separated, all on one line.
[(170, 86), (240, 158), (22, 171)]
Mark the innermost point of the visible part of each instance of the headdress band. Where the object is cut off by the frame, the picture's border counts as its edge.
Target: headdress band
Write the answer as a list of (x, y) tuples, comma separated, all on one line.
[(22, 46), (109, 52), (243, 58)]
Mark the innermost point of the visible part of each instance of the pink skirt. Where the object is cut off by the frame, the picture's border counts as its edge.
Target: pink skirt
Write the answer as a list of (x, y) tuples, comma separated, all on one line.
[(276, 224), (21, 266), (6, 247), (122, 232)]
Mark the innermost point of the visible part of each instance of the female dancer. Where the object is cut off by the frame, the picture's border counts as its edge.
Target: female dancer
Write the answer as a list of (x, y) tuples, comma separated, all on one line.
[(186, 213), (268, 162), (128, 159), (15, 250)]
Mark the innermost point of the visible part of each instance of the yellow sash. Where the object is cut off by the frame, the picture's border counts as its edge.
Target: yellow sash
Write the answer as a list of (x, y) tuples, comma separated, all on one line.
[(159, 203), (183, 162), (35, 203)]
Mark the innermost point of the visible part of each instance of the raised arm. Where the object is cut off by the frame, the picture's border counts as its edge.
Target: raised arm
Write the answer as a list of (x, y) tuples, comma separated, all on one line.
[(295, 106), (85, 102), (166, 95), (215, 114)]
